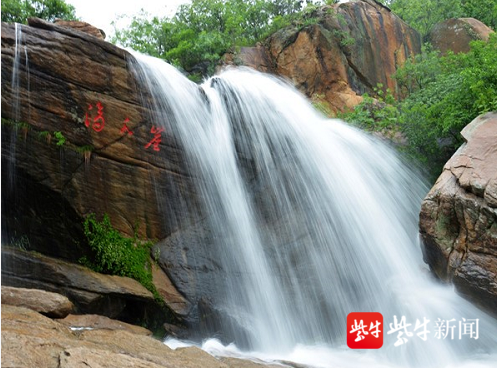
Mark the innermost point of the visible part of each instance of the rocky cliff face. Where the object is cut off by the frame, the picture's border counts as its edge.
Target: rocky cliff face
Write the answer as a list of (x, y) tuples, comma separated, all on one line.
[(458, 219), (76, 140), (351, 49)]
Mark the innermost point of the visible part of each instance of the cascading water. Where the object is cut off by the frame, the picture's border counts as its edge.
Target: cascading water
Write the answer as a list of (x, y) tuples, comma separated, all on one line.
[(20, 69), (16, 106), (315, 219)]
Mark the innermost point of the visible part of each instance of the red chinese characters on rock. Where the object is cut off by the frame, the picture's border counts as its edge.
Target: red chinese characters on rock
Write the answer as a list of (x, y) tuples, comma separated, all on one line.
[(125, 128), (365, 330), (95, 119), (97, 122), (156, 139)]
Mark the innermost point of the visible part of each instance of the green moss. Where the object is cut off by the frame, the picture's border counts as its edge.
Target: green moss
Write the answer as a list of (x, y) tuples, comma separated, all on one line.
[(16, 124), (114, 254), (61, 140), (319, 102)]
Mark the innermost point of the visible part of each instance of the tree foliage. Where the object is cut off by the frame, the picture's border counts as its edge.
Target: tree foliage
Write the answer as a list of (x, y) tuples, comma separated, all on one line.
[(459, 88), (424, 14), (20, 10), (441, 95), (202, 31)]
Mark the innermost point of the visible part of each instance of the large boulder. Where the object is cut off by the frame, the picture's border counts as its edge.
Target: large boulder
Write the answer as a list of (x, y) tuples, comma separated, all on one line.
[(91, 292), (44, 302), (82, 27), (67, 100), (458, 219), (456, 34), (352, 48)]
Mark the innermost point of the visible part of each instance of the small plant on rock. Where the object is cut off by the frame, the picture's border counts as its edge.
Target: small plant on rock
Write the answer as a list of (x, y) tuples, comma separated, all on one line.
[(115, 254)]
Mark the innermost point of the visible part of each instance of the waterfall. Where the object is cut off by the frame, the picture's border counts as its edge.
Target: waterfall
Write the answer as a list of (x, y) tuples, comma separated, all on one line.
[(20, 69), (312, 218), (16, 105)]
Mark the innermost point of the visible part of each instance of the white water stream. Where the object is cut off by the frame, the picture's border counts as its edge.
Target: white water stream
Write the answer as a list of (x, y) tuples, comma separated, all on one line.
[(318, 218)]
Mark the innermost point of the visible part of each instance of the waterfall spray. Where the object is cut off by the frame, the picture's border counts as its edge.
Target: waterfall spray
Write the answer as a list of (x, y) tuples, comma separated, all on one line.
[(312, 219)]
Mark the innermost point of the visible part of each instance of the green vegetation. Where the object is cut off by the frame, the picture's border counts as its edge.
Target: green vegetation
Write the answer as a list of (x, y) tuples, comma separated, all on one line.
[(196, 37), (375, 114), (115, 254), (19, 11), (61, 140), (441, 94), (424, 14), (319, 102)]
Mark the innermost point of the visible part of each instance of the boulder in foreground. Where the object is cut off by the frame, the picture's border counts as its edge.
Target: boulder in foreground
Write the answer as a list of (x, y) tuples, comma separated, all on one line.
[(458, 219), (47, 303)]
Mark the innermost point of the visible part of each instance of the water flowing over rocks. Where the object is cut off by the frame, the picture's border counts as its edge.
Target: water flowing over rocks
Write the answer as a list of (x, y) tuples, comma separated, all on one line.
[(458, 219), (351, 49), (77, 138), (69, 106)]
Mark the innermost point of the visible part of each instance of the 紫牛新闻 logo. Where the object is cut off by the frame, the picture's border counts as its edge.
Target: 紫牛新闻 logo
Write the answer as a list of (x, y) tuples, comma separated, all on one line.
[(365, 330)]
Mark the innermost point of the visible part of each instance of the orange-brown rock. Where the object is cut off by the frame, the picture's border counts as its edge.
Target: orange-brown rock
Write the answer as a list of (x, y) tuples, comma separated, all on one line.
[(175, 301), (56, 168), (351, 49), (82, 27), (456, 34), (458, 219), (253, 57)]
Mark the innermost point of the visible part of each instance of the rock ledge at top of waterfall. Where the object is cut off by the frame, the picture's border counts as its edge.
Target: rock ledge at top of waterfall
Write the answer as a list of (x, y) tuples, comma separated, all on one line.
[(458, 219)]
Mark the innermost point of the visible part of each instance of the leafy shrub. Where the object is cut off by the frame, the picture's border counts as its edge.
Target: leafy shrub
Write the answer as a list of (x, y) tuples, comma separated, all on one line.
[(464, 87), (115, 254), (378, 114), (441, 95), (201, 31), (61, 140)]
